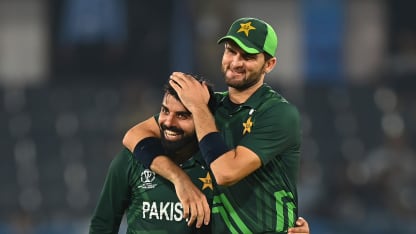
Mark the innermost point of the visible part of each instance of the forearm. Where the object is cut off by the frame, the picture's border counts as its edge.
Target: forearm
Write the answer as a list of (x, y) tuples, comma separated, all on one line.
[(226, 169), (204, 121), (147, 128), (235, 165), (194, 202), (169, 170), (162, 165)]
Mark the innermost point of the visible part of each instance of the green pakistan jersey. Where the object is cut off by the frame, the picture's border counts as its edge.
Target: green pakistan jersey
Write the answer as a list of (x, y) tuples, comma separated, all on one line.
[(149, 201), (266, 200)]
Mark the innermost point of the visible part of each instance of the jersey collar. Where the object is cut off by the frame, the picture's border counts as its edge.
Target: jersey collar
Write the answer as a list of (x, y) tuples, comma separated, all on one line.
[(252, 101), (193, 161)]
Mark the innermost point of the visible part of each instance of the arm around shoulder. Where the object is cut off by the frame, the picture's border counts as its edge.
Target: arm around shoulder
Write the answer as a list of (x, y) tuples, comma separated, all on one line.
[(147, 128), (234, 165)]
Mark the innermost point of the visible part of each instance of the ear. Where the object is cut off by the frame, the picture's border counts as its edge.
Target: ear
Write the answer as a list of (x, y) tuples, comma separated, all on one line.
[(270, 64)]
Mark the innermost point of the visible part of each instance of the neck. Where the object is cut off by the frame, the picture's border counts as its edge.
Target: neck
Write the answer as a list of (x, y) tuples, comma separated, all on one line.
[(241, 96), (185, 153)]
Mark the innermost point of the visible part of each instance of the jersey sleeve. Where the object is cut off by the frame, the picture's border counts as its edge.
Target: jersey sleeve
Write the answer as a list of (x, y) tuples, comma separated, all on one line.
[(275, 131), (113, 199)]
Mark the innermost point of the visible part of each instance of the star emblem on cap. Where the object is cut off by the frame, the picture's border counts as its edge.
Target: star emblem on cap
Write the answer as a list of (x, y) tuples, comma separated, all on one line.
[(207, 182), (246, 28)]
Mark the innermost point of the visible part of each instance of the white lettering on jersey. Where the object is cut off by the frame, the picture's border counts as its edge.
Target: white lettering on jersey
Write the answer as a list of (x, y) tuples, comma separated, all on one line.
[(169, 211), (178, 212), (153, 211), (163, 211)]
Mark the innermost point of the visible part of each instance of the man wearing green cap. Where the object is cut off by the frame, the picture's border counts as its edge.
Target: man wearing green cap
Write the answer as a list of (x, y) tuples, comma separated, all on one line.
[(252, 145)]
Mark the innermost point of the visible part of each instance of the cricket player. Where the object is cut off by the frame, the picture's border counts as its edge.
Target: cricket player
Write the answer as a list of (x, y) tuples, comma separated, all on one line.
[(148, 200), (251, 144)]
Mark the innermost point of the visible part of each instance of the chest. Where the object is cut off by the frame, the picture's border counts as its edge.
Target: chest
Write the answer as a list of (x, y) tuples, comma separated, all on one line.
[(150, 186), (235, 124)]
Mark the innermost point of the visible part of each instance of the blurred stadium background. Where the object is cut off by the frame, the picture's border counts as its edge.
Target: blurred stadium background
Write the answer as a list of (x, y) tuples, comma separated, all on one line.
[(76, 74)]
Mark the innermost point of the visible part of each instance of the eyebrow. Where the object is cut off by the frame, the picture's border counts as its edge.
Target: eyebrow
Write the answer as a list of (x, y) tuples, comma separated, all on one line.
[(187, 113), (179, 112)]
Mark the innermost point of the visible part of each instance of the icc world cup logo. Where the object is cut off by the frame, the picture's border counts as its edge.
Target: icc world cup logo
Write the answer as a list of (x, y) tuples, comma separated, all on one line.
[(146, 178)]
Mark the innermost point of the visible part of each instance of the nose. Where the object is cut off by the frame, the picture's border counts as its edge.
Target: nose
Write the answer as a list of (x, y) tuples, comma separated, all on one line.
[(237, 61), (169, 120)]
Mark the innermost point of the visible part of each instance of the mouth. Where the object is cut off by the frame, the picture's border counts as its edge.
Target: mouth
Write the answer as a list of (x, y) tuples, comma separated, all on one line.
[(234, 72), (172, 135)]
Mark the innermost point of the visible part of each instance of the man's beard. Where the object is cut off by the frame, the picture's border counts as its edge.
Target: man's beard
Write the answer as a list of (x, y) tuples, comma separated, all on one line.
[(173, 147), (246, 83)]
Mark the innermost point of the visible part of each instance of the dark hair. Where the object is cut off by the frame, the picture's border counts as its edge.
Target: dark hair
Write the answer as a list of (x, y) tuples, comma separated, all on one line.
[(212, 104), (267, 56)]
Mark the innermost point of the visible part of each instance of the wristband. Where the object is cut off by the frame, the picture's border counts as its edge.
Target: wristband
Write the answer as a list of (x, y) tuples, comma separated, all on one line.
[(147, 150), (212, 146)]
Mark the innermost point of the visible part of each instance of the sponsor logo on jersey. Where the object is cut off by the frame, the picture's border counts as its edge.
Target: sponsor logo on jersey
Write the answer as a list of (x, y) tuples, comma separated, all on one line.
[(169, 211), (147, 177)]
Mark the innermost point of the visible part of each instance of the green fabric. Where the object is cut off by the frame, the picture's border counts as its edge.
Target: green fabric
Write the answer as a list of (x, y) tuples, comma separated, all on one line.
[(149, 201), (253, 36), (266, 200)]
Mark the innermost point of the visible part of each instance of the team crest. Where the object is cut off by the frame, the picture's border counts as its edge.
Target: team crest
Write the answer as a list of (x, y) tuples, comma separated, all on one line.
[(247, 126), (246, 28), (207, 182), (147, 177)]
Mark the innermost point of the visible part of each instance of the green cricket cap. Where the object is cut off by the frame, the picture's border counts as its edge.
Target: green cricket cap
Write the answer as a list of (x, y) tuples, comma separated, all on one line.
[(253, 36)]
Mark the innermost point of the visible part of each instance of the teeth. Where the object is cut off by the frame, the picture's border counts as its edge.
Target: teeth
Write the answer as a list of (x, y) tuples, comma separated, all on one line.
[(171, 133)]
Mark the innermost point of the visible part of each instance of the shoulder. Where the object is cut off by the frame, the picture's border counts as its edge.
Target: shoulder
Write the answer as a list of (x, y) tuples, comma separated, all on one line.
[(273, 106), (124, 166), (123, 159), (274, 101)]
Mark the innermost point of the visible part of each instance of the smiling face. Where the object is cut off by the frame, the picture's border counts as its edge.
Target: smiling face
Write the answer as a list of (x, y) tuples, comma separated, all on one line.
[(242, 70), (176, 125)]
